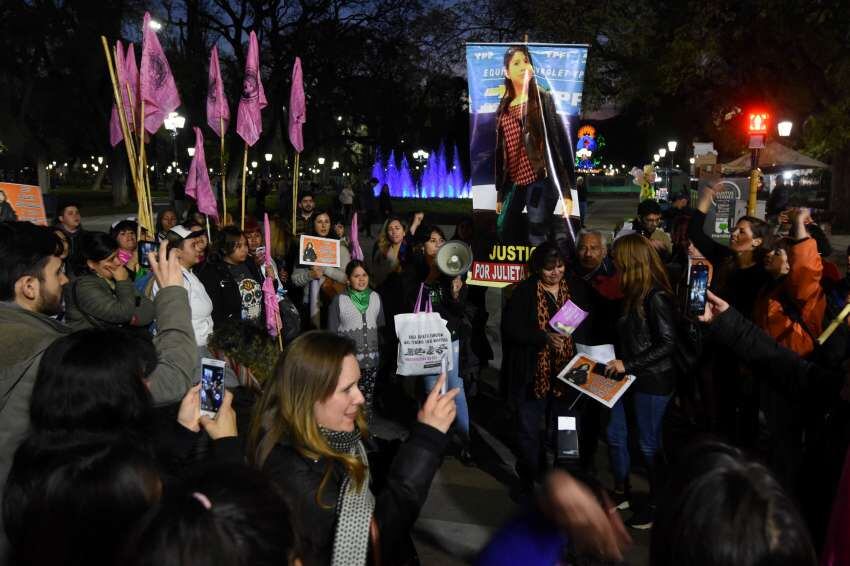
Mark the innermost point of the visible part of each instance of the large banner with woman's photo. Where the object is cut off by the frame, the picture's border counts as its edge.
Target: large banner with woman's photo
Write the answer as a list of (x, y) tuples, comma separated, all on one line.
[(523, 101)]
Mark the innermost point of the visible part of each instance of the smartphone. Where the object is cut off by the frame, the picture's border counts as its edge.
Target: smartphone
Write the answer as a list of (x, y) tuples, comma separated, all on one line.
[(697, 289), (212, 386), (144, 249), (444, 369)]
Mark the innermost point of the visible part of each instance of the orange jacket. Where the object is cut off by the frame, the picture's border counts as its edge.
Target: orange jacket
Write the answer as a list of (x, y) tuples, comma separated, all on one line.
[(802, 288)]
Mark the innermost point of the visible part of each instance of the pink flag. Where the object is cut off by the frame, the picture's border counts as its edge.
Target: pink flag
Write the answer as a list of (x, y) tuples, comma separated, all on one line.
[(218, 113), (198, 180), (269, 295), (157, 87), (249, 123), (297, 107), (354, 238)]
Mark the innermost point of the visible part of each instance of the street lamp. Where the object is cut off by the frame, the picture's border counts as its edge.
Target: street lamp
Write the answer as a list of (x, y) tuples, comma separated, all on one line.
[(662, 152), (154, 25), (784, 128), (335, 165), (191, 151), (268, 157), (253, 165), (671, 146), (100, 160), (321, 161), (655, 158), (174, 122)]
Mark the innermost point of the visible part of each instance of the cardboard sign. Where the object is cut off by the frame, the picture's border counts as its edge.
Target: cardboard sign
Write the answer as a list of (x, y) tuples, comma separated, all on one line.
[(313, 250), (586, 374), (26, 202)]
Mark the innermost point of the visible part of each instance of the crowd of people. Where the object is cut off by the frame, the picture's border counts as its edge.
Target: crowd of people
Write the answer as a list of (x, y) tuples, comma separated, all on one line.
[(735, 416)]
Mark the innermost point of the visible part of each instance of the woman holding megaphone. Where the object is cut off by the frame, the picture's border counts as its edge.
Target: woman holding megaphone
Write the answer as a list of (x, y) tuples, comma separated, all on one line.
[(448, 298)]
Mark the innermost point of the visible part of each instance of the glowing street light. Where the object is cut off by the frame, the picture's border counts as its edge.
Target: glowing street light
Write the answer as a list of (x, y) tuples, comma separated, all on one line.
[(253, 165), (154, 25), (662, 152), (99, 160), (672, 145), (655, 157), (268, 157), (784, 128), (335, 165), (190, 151), (321, 161)]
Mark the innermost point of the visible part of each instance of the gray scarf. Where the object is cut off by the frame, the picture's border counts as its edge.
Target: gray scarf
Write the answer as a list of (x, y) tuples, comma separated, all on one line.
[(353, 508)]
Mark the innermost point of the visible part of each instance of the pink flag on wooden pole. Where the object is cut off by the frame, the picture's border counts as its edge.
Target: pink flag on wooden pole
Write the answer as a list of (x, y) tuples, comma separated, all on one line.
[(297, 107), (249, 123), (156, 83), (270, 300), (218, 113), (198, 184)]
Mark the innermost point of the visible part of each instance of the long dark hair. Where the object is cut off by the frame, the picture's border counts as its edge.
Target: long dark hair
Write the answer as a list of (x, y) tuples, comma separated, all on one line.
[(73, 503), (534, 118), (92, 382)]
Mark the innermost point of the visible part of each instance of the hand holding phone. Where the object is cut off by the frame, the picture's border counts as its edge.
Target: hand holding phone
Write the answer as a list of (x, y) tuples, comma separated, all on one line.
[(144, 249), (212, 386), (697, 290)]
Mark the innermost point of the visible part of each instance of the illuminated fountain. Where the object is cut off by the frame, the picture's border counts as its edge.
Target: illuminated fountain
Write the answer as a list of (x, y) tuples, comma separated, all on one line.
[(438, 178)]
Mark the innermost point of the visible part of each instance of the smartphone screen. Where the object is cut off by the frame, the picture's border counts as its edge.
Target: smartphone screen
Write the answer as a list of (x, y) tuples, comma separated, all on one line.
[(144, 249), (697, 289), (212, 386)]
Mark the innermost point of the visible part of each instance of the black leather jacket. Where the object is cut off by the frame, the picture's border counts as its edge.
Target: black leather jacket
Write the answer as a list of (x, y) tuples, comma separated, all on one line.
[(397, 501), (647, 344), (552, 164)]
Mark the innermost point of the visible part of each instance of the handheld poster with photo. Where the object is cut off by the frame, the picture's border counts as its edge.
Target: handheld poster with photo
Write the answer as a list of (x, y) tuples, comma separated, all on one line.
[(313, 250), (586, 374)]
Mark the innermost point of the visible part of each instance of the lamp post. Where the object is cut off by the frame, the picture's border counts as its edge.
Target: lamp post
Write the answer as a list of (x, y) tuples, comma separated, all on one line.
[(268, 157), (671, 149), (784, 127), (172, 123)]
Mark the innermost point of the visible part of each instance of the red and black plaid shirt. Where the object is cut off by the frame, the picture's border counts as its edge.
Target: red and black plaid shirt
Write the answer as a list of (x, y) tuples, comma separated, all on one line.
[(519, 165)]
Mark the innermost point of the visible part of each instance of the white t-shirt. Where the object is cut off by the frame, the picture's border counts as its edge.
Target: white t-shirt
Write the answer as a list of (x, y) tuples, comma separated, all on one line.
[(200, 305)]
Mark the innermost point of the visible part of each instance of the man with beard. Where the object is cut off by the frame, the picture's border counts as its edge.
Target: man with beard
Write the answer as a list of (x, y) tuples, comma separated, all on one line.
[(32, 275)]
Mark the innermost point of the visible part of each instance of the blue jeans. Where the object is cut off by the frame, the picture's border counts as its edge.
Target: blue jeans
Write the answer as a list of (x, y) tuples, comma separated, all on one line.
[(453, 380), (649, 414)]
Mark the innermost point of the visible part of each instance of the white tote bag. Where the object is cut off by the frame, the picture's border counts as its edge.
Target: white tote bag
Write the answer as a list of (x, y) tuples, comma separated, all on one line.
[(424, 340)]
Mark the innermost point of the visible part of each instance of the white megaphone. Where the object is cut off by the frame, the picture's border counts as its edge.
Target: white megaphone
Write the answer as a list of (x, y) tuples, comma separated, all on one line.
[(454, 258)]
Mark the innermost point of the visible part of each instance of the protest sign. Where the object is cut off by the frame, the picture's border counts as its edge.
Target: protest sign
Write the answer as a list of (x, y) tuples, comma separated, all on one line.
[(313, 250), (587, 375), (524, 99), (26, 202)]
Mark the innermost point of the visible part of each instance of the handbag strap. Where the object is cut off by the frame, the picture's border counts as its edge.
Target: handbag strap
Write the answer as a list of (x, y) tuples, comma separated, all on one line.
[(428, 307)]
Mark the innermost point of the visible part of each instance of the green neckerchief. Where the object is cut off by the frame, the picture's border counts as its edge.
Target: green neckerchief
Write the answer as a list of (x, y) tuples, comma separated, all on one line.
[(360, 298)]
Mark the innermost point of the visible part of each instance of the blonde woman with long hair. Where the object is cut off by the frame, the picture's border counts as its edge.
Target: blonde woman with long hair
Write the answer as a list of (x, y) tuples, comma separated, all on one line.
[(646, 335), (307, 433)]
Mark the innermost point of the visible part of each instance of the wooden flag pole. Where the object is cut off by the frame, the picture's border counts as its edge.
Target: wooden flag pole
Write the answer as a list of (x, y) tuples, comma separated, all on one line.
[(244, 179), (279, 331), (295, 190), (223, 174)]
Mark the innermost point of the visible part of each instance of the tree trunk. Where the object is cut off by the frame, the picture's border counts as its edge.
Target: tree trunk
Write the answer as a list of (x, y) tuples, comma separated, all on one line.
[(839, 202), (43, 175), (98, 180), (118, 175)]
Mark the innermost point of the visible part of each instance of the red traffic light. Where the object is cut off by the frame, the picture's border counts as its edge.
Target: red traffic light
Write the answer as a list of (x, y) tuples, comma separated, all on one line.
[(757, 123)]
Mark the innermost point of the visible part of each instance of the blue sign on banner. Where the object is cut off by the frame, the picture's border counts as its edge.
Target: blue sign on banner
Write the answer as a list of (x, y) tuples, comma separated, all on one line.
[(523, 100)]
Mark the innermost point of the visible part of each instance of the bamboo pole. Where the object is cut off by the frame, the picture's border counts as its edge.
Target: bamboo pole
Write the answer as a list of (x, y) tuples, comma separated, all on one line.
[(125, 130), (244, 179), (295, 190), (223, 174)]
